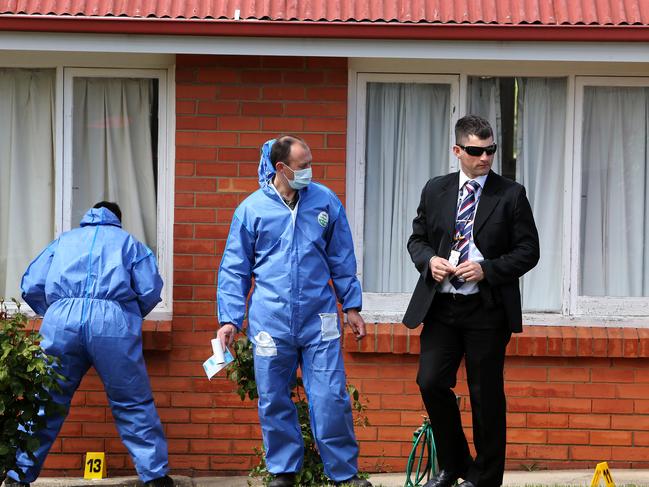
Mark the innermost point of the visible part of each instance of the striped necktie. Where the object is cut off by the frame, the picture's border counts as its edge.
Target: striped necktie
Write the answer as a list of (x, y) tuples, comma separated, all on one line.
[(464, 226)]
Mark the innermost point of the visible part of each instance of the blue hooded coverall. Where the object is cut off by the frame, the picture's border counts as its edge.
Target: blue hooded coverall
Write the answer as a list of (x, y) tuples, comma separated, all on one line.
[(292, 256), (93, 285)]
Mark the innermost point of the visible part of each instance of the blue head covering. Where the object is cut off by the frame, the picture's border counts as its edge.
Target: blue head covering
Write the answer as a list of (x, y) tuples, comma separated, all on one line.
[(266, 169)]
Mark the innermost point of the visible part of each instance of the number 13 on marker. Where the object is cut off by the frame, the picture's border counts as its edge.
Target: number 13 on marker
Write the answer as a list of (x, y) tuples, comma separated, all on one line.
[(95, 465)]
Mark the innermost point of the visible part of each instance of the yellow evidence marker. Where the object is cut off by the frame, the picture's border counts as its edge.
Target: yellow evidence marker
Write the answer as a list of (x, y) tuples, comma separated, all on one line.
[(95, 465), (601, 470)]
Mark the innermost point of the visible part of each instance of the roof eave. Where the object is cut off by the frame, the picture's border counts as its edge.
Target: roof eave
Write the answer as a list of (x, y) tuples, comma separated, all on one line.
[(325, 30)]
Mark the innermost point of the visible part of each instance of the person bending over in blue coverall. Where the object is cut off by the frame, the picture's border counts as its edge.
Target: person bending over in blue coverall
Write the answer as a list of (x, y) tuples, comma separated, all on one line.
[(92, 286), (293, 238)]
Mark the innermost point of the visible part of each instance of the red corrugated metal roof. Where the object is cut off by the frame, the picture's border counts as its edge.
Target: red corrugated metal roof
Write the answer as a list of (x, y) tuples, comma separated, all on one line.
[(495, 12)]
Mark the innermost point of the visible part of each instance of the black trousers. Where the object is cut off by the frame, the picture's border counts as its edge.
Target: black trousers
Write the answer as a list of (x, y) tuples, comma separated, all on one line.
[(455, 328)]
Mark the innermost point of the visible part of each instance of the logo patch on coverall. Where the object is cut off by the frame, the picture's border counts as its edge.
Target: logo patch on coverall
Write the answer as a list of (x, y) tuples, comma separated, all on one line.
[(323, 218)]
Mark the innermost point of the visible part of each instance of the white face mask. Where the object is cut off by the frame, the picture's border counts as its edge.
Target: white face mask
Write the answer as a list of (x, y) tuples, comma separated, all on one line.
[(301, 178)]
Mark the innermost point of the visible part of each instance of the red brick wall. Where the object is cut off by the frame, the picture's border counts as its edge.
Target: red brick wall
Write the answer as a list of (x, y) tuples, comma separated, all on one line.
[(576, 395)]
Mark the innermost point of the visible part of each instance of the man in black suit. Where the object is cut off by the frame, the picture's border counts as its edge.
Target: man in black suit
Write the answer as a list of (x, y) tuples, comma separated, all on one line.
[(473, 238)]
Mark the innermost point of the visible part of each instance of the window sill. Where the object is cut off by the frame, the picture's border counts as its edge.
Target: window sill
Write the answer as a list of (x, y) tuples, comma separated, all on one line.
[(371, 315), (156, 335), (588, 311), (536, 341)]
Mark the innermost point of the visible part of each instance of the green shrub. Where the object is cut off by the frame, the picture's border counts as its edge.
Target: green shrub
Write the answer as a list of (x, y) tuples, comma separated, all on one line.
[(26, 377), (242, 372)]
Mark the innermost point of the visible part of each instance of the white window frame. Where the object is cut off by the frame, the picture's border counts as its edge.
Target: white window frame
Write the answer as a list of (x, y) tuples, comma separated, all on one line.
[(381, 306), (576, 310), (605, 306), (123, 66)]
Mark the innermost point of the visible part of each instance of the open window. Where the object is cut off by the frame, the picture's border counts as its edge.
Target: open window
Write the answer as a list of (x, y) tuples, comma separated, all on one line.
[(529, 117), (72, 137), (404, 135)]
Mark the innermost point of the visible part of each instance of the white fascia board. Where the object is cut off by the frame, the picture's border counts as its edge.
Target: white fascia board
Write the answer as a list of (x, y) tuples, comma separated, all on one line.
[(398, 49)]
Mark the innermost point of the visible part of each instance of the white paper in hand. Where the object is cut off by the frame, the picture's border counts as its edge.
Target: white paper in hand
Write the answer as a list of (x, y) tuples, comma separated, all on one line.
[(217, 350), (218, 361)]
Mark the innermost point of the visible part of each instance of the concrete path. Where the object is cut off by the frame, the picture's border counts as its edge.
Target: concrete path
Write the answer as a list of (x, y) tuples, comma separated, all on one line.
[(541, 478)]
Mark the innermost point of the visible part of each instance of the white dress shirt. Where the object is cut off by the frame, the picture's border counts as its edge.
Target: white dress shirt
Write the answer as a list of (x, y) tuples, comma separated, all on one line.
[(474, 254)]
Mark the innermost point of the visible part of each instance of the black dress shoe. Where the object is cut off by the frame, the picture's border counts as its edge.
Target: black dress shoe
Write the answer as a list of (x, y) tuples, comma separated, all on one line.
[(283, 480), (355, 481), (466, 483), (443, 479), (165, 481), (9, 482)]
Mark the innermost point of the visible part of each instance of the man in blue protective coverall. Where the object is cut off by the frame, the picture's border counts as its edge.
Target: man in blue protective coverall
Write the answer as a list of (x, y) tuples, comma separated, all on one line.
[(293, 238), (92, 286)]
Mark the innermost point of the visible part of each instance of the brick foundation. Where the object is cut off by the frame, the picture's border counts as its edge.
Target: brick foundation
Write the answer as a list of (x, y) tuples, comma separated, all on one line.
[(575, 395)]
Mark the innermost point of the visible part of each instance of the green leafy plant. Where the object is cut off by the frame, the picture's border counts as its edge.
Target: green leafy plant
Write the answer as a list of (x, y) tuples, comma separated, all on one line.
[(381, 465), (241, 371), (27, 375)]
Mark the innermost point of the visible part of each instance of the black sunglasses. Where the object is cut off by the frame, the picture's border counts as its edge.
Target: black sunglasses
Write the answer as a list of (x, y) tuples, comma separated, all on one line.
[(475, 151)]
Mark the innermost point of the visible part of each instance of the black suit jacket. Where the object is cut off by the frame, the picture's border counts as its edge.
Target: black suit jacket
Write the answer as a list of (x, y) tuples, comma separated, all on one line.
[(503, 231)]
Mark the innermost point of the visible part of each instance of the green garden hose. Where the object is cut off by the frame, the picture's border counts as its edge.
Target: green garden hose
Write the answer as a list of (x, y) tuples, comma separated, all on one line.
[(422, 453)]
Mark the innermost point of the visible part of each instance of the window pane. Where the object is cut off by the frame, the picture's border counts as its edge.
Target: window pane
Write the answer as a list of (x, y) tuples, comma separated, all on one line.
[(540, 167), (115, 150), (614, 208), (26, 171), (408, 128), (540, 121)]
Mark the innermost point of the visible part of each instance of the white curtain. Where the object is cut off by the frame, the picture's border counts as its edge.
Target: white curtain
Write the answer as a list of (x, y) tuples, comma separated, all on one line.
[(615, 177), (407, 142), (113, 151), (540, 165), (483, 99), (26, 171)]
